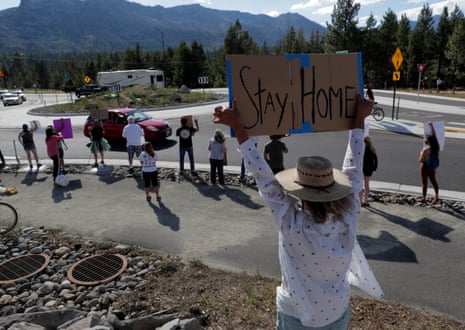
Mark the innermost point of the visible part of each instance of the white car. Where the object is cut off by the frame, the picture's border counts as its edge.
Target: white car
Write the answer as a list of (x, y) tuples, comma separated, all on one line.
[(21, 94), (11, 99)]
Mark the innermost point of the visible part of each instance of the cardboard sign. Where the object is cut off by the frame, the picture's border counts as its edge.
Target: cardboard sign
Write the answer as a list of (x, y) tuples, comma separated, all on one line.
[(36, 124), (439, 130), (100, 114), (295, 93), (190, 120), (64, 127)]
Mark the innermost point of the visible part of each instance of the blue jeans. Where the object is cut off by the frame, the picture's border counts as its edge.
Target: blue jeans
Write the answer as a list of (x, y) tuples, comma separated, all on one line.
[(287, 322), (190, 153)]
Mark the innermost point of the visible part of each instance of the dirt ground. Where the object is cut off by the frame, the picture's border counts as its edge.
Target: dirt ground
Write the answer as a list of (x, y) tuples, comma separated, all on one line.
[(229, 300)]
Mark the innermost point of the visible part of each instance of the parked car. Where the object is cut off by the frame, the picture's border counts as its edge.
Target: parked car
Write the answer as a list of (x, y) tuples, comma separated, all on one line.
[(89, 89), (2, 92), (11, 99), (21, 94), (155, 130)]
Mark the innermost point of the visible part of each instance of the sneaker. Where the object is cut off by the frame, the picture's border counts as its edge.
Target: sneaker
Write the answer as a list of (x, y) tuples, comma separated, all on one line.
[(158, 198), (30, 166), (95, 164), (148, 198), (39, 165), (131, 170)]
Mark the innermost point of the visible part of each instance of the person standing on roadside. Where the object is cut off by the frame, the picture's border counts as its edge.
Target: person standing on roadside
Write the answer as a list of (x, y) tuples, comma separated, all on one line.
[(148, 160), (185, 133), (274, 153), (52, 139), (218, 157), (26, 138), (370, 164), (98, 143), (429, 162), (318, 249), (61, 146), (134, 135)]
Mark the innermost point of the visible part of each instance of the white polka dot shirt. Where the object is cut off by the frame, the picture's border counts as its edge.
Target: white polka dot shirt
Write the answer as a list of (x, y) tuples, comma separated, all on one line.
[(318, 261)]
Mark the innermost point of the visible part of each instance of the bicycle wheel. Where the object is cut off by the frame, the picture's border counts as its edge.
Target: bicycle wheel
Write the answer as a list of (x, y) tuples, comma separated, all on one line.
[(8, 217), (378, 114)]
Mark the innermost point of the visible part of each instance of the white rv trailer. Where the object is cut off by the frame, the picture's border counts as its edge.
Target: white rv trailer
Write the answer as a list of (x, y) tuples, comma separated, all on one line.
[(125, 78)]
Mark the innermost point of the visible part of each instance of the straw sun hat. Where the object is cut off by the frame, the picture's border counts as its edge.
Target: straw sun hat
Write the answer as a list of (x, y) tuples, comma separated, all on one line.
[(314, 179)]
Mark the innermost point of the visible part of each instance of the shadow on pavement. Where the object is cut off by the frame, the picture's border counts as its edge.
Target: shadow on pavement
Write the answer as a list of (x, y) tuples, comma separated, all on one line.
[(424, 227), (386, 248), (216, 191), (60, 194), (31, 177), (165, 216)]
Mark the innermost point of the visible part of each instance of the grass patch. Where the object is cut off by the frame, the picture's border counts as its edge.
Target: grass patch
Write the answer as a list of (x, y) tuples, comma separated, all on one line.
[(133, 97)]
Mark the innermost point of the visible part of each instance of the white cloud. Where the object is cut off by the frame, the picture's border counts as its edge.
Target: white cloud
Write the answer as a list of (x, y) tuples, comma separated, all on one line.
[(273, 13)]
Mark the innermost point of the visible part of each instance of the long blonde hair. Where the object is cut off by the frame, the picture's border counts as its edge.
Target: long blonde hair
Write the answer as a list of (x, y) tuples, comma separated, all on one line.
[(321, 210)]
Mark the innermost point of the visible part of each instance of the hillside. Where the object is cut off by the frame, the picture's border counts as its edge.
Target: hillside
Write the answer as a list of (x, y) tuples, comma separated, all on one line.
[(92, 25)]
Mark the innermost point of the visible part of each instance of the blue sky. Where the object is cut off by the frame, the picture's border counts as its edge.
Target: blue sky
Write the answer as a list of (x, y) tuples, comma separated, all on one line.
[(316, 10)]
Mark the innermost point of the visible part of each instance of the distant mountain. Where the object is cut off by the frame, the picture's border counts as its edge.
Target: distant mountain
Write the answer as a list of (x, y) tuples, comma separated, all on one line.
[(91, 25)]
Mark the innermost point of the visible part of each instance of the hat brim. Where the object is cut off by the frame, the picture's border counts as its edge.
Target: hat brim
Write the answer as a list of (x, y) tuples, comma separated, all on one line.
[(340, 189)]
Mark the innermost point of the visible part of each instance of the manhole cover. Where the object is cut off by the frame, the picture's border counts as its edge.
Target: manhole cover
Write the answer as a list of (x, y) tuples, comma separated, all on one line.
[(97, 269), (21, 267)]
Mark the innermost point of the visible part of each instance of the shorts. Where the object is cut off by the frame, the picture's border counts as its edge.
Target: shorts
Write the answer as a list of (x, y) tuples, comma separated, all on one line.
[(134, 150), (29, 146), (150, 178)]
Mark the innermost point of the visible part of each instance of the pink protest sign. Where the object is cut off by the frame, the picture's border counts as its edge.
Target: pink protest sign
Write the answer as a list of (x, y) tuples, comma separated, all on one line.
[(64, 126)]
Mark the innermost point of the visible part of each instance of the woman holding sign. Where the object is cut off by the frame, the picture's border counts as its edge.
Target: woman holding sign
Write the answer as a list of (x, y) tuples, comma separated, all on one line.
[(318, 249), (429, 162)]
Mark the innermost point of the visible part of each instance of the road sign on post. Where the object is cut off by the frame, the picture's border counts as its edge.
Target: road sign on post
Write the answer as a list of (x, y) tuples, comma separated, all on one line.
[(397, 59), (421, 67), (87, 79)]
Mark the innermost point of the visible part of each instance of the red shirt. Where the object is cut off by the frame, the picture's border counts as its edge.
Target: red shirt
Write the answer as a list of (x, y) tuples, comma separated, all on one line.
[(52, 145)]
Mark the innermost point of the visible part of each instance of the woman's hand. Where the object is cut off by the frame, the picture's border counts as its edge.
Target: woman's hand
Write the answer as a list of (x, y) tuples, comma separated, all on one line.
[(364, 109), (232, 118)]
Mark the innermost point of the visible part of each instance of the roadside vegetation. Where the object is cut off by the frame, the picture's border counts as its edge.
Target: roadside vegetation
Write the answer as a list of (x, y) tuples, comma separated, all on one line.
[(133, 97)]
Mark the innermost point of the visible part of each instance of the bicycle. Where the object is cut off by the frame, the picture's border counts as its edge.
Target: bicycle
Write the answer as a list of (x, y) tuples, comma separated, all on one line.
[(8, 217), (377, 113)]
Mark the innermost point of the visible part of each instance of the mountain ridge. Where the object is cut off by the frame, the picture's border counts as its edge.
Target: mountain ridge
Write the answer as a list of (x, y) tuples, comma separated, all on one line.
[(106, 25)]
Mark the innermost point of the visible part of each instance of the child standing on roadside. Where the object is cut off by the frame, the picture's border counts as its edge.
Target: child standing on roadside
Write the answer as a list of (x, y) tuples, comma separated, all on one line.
[(148, 160)]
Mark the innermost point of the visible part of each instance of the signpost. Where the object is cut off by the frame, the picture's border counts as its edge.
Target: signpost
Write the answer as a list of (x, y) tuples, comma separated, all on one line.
[(421, 67), (397, 60)]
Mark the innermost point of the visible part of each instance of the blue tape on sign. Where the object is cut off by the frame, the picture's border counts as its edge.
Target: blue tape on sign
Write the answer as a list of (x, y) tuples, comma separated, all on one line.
[(306, 128), (360, 73), (304, 59), (229, 75)]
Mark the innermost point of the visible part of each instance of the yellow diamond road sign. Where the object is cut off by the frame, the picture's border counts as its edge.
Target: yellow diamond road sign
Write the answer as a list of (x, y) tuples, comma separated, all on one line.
[(87, 79), (397, 59)]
